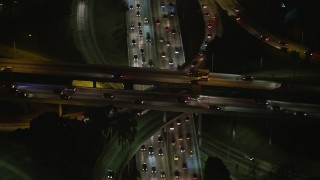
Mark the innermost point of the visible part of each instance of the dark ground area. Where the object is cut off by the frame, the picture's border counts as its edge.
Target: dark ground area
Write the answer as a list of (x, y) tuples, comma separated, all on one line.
[(295, 21), (294, 142), (192, 23), (48, 22)]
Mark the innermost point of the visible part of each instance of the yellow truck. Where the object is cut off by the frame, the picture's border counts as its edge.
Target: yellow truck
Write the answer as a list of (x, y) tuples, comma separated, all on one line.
[(202, 74)]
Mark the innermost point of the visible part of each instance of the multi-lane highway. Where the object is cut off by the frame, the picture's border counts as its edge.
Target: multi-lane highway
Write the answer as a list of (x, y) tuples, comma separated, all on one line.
[(154, 41), (166, 101), (122, 74)]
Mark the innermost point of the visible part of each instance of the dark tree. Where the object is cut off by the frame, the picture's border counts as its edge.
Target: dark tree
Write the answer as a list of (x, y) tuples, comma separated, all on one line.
[(215, 169), (126, 127)]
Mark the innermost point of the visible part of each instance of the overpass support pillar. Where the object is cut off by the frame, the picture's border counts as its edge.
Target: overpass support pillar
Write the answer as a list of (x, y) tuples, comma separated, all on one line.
[(165, 116), (60, 110), (233, 127), (270, 131), (199, 128)]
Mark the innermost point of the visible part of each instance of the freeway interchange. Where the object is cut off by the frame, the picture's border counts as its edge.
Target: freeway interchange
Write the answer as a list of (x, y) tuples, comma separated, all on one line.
[(156, 55)]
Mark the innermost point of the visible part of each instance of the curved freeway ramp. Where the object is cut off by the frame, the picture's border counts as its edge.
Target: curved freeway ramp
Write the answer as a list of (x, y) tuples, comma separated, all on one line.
[(115, 156)]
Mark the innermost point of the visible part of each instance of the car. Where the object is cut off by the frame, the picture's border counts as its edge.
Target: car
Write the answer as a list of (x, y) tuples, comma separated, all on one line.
[(187, 119), (276, 108), (170, 62), (65, 96), (283, 43), (173, 141), (206, 14), (133, 42), (236, 9), (151, 150), (300, 114), (158, 22), (188, 135), (180, 137), (166, 28), (7, 69), (176, 157), (171, 127), (249, 157), (148, 37), (178, 121), (182, 149), (160, 139), (264, 38), (130, 7), (168, 43), (58, 91), (8, 85), (108, 96), (173, 31), (165, 16), (139, 24), (176, 174), (204, 6), (150, 62), (142, 112), (144, 167), (171, 4), (163, 54), (110, 174), (70, 89), (238, 18), (138, 6), (146, 20), (153, 169), (162, 174), (182, 100), (138, 101), (132, 27), (194, 63), (144, 60), (194, 176), (143, 147), (161, 39), (247, 78), (308, 53), (140, 33), (261, 101), (138, 13), (184, 166), (176, 50), (206, 43), (162, 4), (201, 53), (214, 107), (160, 152), (283, 85), (135, 57), (142, 51), (21, 93), (190, 153), (209, 35), (117, 76), (209, 25), (193, 81)]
